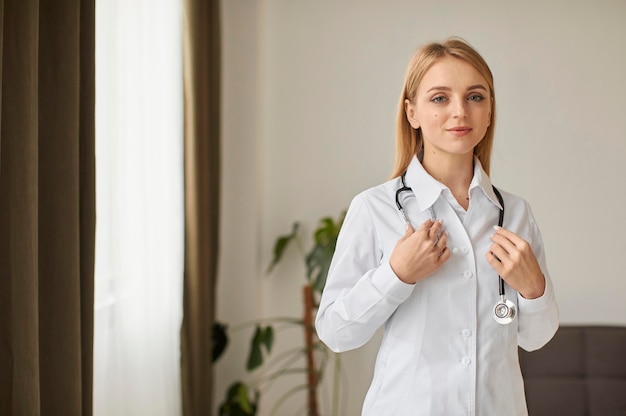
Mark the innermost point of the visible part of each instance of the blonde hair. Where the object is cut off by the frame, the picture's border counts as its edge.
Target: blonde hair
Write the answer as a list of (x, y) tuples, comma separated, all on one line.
[(408, 140)]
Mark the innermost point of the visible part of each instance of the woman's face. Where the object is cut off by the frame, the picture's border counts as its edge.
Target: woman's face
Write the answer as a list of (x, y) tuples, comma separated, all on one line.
[(452, 107)]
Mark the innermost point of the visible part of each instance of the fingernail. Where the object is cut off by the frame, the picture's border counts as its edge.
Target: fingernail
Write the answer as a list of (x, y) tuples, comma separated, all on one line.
[(496, 227), (440, 220)]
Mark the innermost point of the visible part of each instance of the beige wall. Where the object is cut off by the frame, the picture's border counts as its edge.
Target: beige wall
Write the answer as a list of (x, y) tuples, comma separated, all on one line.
[(310, 91)]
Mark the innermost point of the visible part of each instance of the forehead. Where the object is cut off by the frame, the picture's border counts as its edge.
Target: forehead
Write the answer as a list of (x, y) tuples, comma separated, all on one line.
[(452, 73)]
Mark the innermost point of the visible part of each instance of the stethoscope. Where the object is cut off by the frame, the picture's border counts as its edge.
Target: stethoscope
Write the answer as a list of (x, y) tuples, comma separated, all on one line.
[(504, 311)]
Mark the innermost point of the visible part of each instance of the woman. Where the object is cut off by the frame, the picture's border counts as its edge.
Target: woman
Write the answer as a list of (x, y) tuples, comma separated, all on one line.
[(434, 286)]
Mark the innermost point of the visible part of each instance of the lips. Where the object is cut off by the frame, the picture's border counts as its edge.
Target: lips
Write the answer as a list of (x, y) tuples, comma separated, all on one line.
[(459, 131)]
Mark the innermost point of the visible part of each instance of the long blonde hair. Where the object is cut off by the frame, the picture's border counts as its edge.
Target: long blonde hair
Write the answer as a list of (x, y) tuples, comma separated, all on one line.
[(408, 140)]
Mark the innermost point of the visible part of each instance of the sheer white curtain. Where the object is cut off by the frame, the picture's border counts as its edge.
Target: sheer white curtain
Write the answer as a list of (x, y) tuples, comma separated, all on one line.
[(139, 202)]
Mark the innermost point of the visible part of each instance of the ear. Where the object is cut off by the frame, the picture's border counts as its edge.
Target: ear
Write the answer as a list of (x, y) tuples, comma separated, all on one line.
[(409, 110)]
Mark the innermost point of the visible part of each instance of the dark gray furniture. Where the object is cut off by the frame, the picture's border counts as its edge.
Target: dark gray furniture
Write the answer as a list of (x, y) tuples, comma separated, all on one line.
[(580, 372)]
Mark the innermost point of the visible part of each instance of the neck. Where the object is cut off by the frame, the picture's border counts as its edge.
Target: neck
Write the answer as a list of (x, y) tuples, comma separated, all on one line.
[(454, 171)]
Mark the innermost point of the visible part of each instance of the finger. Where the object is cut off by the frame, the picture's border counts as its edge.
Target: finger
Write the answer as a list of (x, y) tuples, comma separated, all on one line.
[(445, 255), (515, 246), (424, 228), (509, 235), (502, 243), (426, 225), (442, 243), (500, 254), (494, 262), (435, 229), (408, 231)]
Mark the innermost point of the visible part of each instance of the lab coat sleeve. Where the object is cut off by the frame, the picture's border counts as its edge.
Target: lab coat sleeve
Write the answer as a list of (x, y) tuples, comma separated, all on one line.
[(361, 291), (538, 318)]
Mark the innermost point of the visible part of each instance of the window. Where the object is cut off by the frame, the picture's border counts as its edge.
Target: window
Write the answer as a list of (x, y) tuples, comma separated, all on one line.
[(139, 208)]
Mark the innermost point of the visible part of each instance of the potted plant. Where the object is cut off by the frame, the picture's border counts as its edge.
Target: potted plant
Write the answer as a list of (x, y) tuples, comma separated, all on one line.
[(242, 398)]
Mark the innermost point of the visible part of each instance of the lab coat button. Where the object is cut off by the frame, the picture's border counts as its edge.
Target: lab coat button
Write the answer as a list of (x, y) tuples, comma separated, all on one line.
[(468, 274), (465, 250), (455, 250), (466, 333), (466, 361)]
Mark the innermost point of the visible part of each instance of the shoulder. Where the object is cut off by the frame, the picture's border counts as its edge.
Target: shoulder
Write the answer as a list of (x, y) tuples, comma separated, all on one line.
[(513, 201), (373, 204), (383, 193), (518, 216)]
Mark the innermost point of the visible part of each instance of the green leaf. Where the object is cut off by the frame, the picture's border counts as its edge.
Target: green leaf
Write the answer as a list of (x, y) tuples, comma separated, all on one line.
[(268, 338), (255, 358), (219, 338), (263, 337), (237, 401), (326, 232), (281, 245), (324, 266), (318, 263), (242, 398), (319, 258), (313, 260)]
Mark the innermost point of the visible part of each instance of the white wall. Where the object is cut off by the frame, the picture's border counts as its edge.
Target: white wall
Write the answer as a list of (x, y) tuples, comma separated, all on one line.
[(310, 92)]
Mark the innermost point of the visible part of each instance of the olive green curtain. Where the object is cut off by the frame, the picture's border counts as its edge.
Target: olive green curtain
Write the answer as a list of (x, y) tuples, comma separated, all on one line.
[(47, 206), (201, 48)]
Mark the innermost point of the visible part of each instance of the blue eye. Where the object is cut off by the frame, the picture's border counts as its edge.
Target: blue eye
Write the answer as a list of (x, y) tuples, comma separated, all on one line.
[(476, 97), (438, 99)]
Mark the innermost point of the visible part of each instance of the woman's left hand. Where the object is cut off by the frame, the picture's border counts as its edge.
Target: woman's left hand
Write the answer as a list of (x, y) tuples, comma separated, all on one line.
[(513, 258)]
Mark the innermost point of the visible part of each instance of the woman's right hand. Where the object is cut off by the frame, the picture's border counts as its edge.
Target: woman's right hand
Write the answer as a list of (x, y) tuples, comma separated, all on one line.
[(420, 253)]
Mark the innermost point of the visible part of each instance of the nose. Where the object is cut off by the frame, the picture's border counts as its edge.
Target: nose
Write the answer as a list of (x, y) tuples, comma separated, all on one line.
[(460, 109)]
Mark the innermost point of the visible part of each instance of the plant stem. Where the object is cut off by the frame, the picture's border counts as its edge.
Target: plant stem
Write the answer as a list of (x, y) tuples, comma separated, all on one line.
[(279, 319), (310, 358), (336, 385)]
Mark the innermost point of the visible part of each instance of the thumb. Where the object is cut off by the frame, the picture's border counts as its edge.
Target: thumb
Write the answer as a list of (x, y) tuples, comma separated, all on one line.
[(408, 231)]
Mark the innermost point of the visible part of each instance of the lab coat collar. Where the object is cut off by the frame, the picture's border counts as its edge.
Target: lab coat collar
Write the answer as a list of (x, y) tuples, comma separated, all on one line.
[(429, 188), (482, 180)]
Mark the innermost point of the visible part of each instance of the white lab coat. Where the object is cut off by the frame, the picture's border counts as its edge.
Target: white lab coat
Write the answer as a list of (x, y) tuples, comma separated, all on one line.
[(442, 353)]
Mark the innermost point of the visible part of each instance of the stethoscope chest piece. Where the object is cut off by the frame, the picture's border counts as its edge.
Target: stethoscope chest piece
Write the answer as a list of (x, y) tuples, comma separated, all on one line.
[(504, 311)]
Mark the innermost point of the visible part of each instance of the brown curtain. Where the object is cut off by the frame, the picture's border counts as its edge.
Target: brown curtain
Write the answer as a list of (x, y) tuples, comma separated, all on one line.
[(201, 46), (47, 204)]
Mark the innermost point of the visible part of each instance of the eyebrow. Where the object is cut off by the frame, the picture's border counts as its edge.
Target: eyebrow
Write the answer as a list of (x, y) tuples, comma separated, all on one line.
[(472, 87)]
